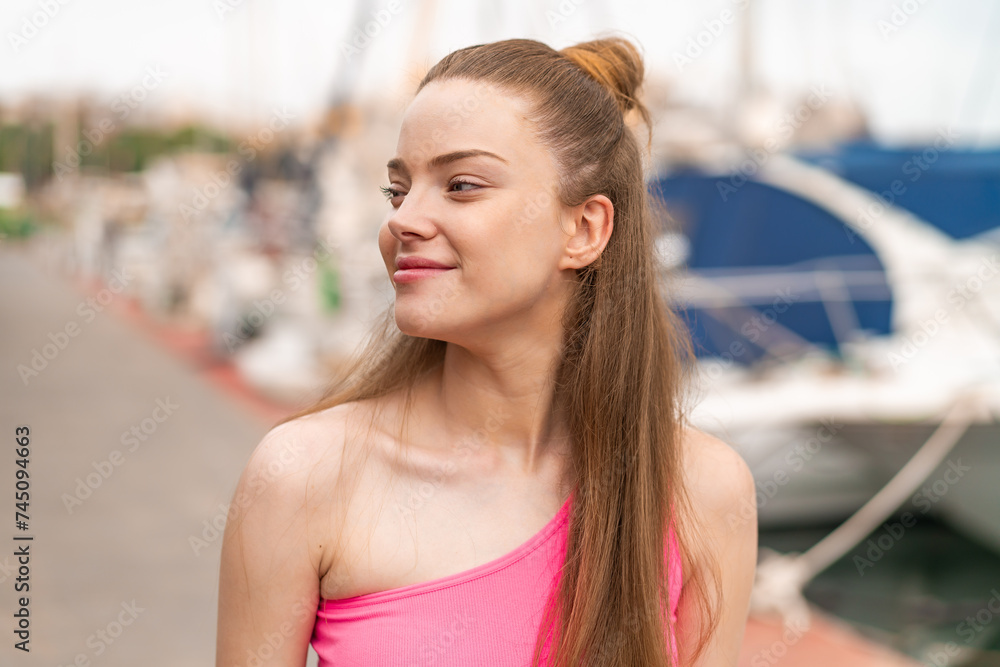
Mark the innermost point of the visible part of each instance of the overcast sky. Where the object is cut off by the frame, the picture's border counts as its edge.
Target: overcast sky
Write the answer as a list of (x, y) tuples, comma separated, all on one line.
[(915, 66)]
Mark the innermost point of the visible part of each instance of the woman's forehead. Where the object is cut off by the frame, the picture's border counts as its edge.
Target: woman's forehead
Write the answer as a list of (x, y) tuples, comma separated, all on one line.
[(452, 113), (457, 115)]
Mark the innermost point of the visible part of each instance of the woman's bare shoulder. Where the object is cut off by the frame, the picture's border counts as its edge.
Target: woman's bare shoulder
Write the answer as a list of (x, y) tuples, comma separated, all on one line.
[(716, 476), (308, 445)]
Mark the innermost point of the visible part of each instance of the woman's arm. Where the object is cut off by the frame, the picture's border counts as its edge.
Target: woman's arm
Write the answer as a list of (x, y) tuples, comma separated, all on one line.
[(270, 572), (722, 491)]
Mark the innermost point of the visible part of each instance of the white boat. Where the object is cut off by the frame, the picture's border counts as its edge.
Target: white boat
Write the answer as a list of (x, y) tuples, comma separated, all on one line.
[(825, 428)]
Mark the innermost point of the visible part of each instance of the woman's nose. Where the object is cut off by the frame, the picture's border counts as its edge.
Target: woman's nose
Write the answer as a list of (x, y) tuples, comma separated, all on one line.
[(413, 219)]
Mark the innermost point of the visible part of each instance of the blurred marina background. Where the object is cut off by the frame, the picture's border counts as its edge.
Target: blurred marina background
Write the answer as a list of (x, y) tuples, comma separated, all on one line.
[(188, 215)]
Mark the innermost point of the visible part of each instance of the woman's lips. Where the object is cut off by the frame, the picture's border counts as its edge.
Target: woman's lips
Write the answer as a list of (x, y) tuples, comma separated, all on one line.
[(411, 275)]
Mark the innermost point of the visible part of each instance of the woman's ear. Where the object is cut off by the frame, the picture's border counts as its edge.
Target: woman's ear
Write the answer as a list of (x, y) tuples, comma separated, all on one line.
[(588, 231)]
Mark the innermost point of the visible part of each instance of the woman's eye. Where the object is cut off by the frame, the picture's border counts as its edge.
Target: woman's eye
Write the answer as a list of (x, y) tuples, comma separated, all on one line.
[(459, 184), (389, 192), (393, 195)]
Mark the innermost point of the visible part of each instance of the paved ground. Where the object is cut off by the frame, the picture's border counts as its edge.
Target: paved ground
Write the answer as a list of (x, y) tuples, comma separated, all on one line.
[(129, 541)]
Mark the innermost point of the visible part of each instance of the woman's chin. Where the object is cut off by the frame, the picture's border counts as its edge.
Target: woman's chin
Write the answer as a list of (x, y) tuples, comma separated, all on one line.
[(424, 315), (418, 324)]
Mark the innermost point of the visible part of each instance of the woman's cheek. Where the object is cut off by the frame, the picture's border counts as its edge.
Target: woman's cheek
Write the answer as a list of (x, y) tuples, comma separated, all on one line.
[(387, 247)]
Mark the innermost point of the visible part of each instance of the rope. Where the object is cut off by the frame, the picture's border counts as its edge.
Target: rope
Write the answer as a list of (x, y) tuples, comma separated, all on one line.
[(781, 578)]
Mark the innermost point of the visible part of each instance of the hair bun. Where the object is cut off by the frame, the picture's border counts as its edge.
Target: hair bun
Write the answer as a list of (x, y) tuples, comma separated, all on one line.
[(616, 64)]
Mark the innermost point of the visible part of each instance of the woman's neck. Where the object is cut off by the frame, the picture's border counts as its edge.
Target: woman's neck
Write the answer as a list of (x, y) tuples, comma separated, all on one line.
[(500, 406)]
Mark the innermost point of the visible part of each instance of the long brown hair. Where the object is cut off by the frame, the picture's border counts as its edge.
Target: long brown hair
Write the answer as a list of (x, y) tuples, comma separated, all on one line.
[(620, 378)]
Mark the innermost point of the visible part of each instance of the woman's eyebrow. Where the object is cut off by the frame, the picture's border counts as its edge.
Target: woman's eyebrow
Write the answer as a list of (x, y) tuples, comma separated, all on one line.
[(397, 164)]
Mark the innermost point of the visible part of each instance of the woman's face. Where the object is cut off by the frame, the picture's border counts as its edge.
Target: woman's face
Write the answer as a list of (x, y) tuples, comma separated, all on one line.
[(472, 189)]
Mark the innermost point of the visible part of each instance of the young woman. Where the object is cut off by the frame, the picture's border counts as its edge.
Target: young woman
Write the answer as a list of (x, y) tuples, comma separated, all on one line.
[(504, 477)]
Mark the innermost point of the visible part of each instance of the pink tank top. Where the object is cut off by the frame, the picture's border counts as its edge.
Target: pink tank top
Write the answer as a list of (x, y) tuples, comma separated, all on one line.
[(489, 615)]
